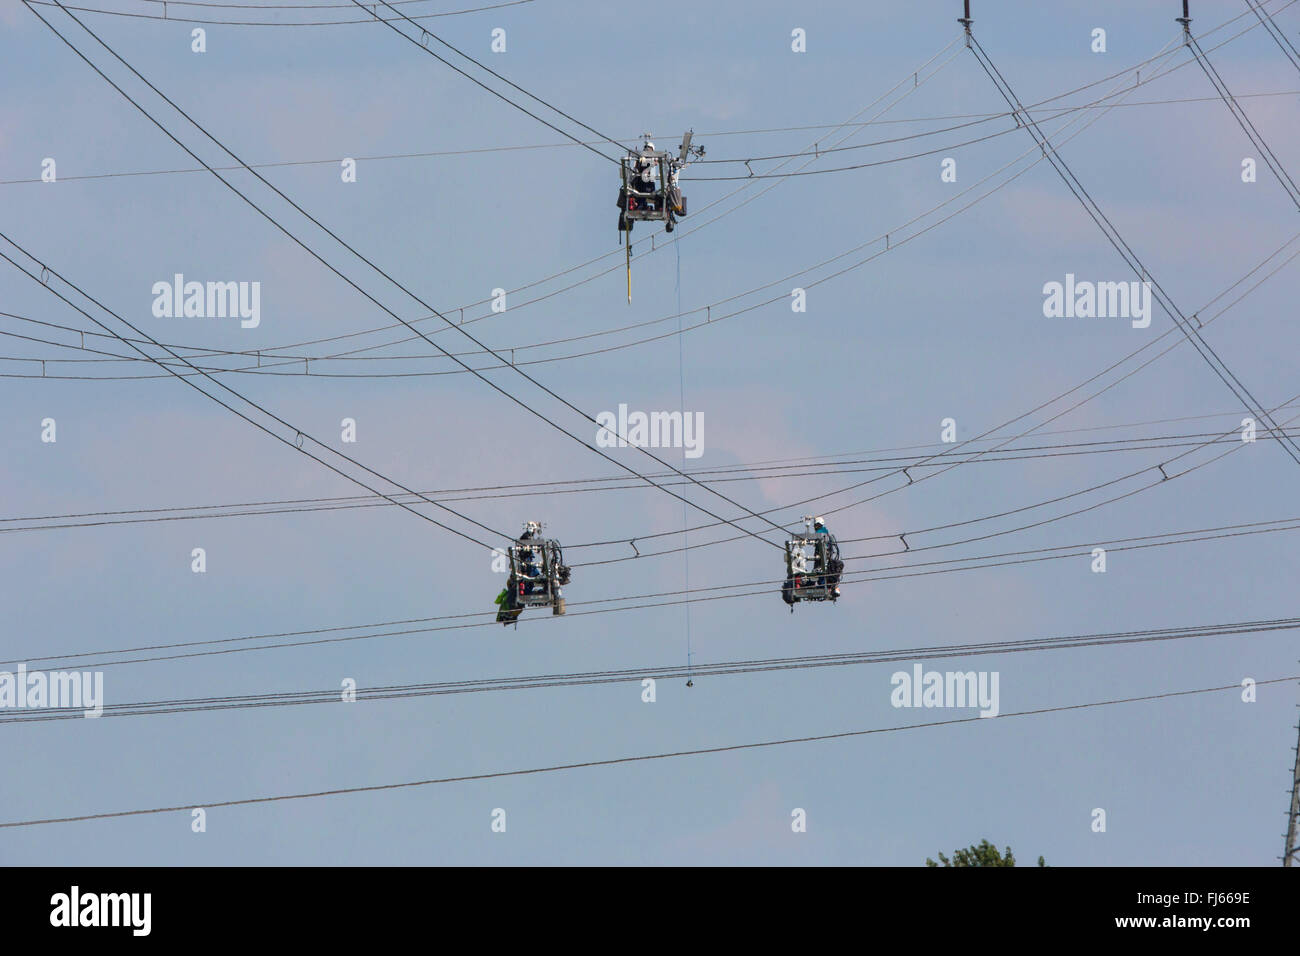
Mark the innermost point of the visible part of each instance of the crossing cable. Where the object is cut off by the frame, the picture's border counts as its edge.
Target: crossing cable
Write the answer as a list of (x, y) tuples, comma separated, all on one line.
[(876, 119), (411, 294), (299, 433), (1039, 407), (202, 351), (488, 69), (908, 548), (1230, 437), (672, 242), (910, 89), (269, 23), (261, 368), (1056, 112), (1276, 32), (1239, 114), (354, 334), (478, 374), (1164, 477), (763, 589), (198, 352), (1059, 415), (480, 83), (1112, 234), (585, 485), (557, 768), (68, 10), (1160, 466), (267, 368), (289, 6), (751, 175), (906, 91), (1235, 446), (1116, 240), (1003, 443), (1214, 30), (186, 705)]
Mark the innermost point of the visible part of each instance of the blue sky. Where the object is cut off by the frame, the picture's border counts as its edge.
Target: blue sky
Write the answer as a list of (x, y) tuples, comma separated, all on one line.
[(949, 324)]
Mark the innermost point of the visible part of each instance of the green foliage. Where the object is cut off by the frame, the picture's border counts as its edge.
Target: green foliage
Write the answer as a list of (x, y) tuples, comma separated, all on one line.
[(982, 854)]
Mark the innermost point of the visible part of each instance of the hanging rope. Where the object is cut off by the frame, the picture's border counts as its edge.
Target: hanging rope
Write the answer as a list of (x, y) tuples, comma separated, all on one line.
[(681, 393)]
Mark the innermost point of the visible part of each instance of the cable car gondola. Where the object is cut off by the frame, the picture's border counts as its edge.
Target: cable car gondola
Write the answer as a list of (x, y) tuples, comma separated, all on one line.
[(812, 565), (649, 191), (537, 574)]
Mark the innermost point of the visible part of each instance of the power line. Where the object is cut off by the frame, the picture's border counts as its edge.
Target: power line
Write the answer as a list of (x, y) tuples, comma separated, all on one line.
[(408, 292), (397, 284), (858, 166), (584, 486), (352, 357), (621, 675), (910, 88), (1138, 82), (346, 356), (904, 535), (556, 768), (286, 6), (299, 434), (1283, 41), (481, 84), (1239, 114), (1216, 298), (1159, 56), (770, 743), (1112, 234), (259, 353), (1220, 295), (470, 151), (695, 595), (201, 351), (689, 231), (495, 354), (997, 428), (905, 472), (1108, 229), (482, 66), (267, 23)]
